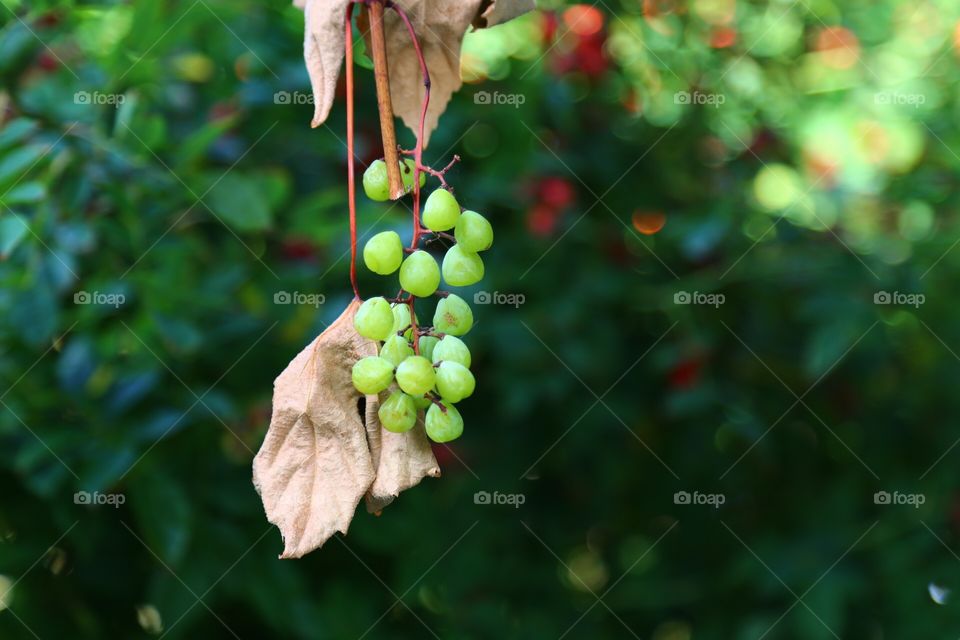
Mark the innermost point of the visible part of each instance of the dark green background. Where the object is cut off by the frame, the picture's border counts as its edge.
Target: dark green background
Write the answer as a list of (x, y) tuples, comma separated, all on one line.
[(828, 174)]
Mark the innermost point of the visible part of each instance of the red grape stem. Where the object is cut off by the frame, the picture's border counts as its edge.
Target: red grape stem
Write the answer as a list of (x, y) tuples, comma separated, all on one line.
[(418, 152), (439, 175), (437, 235), (351, 172)]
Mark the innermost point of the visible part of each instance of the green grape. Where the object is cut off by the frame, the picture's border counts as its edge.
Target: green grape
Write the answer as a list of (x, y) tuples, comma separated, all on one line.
[(416, 376), (462, 268), (443, 426), (419, 274), (451, 349), (374, 319), (454, 381), (453, 316), (396, 349), (441, 211), (398, 413), (422, 402), (375, 183), (427, 345), (372, 374), (383, 253), (406, 172), (401, 319), (473, 232)]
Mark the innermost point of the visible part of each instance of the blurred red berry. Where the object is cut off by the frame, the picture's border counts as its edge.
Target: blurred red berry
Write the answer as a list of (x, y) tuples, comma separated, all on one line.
[(723, 37), (542, 220), (47, 61), (685, 373), (298, 249), (548, 27), (48, 20), (555, 192), (583, 19)]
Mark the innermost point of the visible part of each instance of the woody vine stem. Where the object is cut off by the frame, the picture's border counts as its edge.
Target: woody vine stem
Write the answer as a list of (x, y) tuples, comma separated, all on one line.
[(390, 153)]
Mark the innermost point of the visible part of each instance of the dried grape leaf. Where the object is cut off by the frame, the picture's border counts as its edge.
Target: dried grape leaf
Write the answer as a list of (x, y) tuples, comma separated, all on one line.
[(320, 455), (314, 465), (440, 26), (402, 460)]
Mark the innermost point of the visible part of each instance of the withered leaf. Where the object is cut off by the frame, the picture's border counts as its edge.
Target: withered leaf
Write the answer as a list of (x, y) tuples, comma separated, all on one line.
[(440, 26), (401, 459), (320, 455)]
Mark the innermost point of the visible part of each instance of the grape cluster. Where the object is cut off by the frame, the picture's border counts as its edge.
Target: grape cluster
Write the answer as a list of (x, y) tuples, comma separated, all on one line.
[(428, 368)]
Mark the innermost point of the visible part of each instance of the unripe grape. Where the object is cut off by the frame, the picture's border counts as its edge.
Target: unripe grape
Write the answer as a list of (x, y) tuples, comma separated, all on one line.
[(453, 316), (406, 172), (454, 381), (451, 349), (416, 376), (473, 232), (443, 426), (419, 274), (372, 375), (462, 268), (374, 319), (427, 345), (398, 413), (396, 349), (375, 182), (383, 253), (401, 319), (441, 211), (422, 402)]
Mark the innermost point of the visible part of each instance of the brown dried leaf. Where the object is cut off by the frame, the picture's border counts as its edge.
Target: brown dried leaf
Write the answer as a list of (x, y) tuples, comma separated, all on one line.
[(440, 26), (315, 463), (402, 460), (320, 456), (323, 41)]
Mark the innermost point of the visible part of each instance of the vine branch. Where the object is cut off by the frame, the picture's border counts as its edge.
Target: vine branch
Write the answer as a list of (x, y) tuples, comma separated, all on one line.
[(381, 74)]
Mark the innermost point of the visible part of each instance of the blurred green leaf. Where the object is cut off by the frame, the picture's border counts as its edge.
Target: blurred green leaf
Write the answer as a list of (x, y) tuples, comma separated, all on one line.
[(13, 229)]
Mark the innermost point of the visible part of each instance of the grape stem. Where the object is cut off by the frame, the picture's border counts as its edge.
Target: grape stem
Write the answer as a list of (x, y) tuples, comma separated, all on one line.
[(435, 400), (351, 172), (417, 153), (438, 235), (439, 175)]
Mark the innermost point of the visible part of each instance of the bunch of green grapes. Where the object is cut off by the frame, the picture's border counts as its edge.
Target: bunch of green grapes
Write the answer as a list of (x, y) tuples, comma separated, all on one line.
[(428, 368)]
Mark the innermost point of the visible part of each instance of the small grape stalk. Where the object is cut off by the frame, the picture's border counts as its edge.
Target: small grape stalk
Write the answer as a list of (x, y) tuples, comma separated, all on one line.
[(424, 367)]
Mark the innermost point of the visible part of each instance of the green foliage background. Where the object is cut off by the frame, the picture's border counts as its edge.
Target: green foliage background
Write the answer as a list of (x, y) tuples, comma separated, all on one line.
[(825, 175)]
